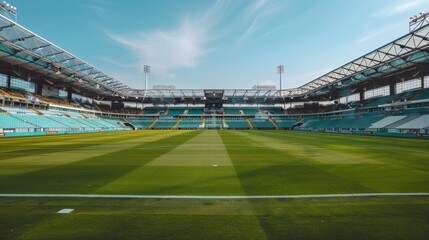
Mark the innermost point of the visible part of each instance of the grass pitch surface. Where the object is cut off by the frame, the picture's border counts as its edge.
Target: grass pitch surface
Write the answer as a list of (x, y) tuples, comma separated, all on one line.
[(214, 163)]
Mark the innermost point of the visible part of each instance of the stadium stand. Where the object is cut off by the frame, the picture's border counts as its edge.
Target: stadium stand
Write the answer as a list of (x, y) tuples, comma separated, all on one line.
[(285, 123), (8, 121), (141, 123), (421, 95), (404, 112), (41, 121), (165, 122), (237, 123), (175, 111), (262, 124), (272, 111), (386, 122), (214, 123), (407, 119), (350, 121), (194, 111), (418, 123), (153, 111), (345, 100), (232, 111), (250, 111), (190, 123)]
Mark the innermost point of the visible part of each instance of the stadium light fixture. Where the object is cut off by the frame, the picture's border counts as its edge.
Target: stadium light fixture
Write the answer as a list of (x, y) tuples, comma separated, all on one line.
[(146, 69), (280, 70), (9, 9), (419, 21)]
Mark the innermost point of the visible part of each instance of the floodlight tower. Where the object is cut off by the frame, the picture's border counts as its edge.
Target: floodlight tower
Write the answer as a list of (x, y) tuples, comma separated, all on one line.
[(146, 69), (417, 22), (9, 11), (280, 70)]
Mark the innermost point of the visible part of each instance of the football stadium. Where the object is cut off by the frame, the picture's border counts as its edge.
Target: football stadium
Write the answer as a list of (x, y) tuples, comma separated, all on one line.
[(85, 156)]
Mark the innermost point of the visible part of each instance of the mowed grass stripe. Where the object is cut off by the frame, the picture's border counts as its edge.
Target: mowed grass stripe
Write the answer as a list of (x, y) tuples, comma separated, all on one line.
[(126, 219), (265, 170), (87, 139), (267, 162), (92, 145), (87, 174), (303, 172), (57, 155), (364, 146), (60, 143), (188, 169), (383, 169), (206, 149), (334, 218), (28, 140)]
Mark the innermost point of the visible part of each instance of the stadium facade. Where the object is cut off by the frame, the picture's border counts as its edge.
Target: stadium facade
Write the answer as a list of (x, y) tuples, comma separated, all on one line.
[(46, 90)]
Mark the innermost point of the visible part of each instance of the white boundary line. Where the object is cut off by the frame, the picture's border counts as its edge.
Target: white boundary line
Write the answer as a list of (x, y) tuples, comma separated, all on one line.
[(108, 196)]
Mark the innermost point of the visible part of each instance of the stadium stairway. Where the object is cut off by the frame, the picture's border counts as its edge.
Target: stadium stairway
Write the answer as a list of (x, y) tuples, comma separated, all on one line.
[(125, 120), (128, 124), (177, 123), (153, 123), (250, 123), (274, 123), (37, 112), (298, 124)]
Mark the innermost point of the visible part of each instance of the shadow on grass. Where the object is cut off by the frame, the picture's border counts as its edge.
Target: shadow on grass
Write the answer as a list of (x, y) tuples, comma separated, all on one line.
[(87, 175)]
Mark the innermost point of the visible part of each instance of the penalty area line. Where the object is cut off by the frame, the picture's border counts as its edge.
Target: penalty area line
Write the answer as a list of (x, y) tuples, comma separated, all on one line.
[(109, 196)]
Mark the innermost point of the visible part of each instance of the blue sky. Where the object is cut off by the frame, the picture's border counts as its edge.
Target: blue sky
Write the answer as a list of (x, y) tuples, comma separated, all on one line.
[(218, 44)]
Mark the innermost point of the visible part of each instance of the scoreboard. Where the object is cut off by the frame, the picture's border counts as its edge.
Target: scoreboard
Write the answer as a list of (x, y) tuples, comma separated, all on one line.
[(213, 100), (217, 93)]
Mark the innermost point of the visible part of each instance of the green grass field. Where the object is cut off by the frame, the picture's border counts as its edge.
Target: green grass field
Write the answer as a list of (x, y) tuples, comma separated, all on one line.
[(214, 163)]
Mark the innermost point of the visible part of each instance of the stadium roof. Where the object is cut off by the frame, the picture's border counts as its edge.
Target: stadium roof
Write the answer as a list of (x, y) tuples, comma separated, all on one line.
[(196, 96), (403, 52), (36, 53), (22, 47)]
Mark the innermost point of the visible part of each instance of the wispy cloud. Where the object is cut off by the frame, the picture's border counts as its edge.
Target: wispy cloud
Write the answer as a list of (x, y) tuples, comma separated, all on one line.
[(197, 34), (168, 50), (378, 32), (101, 8), (116, 63), (258, 15), (101, 12), (256, 6), (267, 82), (299, 80), (369, 36), (399, 8)]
